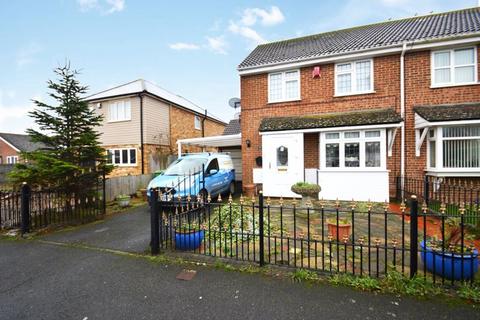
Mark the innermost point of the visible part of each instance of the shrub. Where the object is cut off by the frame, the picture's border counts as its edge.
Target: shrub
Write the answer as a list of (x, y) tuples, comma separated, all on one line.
[(306, 189)]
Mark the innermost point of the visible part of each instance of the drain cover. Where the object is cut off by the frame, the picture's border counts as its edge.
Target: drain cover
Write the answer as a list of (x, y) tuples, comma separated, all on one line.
[(186, 275)]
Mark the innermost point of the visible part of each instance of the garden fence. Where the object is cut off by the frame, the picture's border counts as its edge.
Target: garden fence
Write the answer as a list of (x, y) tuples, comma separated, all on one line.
[(365, 239), (34, 209)]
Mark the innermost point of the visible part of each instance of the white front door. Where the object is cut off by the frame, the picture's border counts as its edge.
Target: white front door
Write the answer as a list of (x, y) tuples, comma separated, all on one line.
[(282, 163)]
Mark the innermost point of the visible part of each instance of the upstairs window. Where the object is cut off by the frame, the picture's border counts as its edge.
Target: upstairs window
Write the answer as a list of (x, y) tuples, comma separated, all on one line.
[(284, 86), (354, 77), (454, 67), (119, 111), (198, 123)]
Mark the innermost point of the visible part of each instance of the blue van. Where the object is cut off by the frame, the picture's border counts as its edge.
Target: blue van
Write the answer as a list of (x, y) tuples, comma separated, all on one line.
[(185, 177)]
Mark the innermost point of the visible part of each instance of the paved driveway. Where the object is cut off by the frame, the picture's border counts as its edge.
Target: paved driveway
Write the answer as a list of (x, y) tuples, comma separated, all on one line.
[(129, 231)]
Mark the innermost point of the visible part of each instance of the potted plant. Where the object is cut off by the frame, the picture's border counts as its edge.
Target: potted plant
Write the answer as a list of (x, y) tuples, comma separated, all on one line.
[(343, 227), (188, 237), (123, 200), (450, 261), (306, 190)]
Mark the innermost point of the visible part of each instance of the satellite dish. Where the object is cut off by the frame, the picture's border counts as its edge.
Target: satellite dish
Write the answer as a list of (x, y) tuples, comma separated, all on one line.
[(234, 103)]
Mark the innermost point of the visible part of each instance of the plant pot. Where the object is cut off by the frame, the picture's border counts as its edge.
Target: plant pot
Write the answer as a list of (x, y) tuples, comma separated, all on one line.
[(123, 202), (343, 231), (436, 261), (189, 240), (249, 190)]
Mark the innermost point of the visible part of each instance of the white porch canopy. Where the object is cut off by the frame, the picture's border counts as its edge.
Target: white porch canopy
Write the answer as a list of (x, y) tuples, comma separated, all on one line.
[(232, 140)]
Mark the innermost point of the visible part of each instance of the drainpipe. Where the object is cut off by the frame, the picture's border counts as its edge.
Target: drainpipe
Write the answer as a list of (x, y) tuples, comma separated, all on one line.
[(203, 123), (141, 133), (402, 114)]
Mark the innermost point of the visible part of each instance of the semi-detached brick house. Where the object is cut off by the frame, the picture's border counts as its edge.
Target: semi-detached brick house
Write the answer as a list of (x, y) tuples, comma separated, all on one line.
[(142, 123), (353, 109), (12, 144)]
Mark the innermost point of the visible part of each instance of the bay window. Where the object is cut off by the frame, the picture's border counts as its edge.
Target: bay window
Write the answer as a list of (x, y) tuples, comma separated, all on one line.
[(454, 67), (354, 77), (454, 148), (353, 150), (122, 157), (284, 86)]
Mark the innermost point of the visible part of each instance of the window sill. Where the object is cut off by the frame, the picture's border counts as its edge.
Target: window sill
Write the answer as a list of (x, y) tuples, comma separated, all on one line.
[(453, 173), (353, 94), (438, 86), (352, 170), (124, 165), (282, 101), (116, 121)]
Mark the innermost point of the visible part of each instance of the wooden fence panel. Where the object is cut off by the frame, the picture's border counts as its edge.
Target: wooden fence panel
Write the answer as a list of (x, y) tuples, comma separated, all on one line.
[(115, 186)]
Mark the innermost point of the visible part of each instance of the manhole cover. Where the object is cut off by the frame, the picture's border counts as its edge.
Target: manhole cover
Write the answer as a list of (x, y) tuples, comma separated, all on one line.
[(186, 275)]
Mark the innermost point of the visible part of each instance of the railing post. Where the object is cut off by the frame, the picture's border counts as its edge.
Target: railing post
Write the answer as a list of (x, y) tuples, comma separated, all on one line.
[(25, 208), (205, 195), (154, 223), (413, 236), (260, 221)]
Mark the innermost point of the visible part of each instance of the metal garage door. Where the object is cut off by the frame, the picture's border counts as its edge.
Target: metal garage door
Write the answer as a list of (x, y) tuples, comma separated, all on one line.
[(236, 155)]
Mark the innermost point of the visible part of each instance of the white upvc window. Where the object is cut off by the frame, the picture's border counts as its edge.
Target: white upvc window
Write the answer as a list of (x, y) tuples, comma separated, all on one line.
[(284, 86), (454, 67), (358, 150), (198, 123), (454, 149), (122, 156), (119, 111), (355, 77), (12, 159)]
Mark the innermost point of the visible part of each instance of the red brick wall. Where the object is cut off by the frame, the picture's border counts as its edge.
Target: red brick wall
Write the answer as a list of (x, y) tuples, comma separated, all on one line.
[(317, 96), (6, 150), (310, 151)]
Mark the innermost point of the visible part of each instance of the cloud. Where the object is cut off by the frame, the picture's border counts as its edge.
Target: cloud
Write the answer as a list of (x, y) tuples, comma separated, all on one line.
[(183, 46), (105, 6), (217, 44), (116, 5), (246, 32), (268, 18), (26, 55)]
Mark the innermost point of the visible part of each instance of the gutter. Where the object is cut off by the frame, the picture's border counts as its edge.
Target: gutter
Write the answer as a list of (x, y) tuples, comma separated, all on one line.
[(402, 114), (142, 153)]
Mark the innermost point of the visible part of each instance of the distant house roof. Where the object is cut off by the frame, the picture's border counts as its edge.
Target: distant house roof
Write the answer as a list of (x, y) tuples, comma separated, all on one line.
[(141, 85), (374, 36), (21, 141), (328, 120), (233, 127), (450, 112)]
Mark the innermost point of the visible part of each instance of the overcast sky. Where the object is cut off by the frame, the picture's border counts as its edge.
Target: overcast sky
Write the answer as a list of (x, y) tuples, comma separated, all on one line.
[(191, 48)]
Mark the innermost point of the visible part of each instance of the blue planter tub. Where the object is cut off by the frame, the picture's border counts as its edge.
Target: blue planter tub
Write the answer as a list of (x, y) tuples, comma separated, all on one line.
[(436, 261), (189, 240)]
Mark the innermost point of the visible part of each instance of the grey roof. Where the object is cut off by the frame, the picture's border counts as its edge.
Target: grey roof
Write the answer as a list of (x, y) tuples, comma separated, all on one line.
[(449, 112), (328, 120), (374, 36), (233, 127), (21, 141)]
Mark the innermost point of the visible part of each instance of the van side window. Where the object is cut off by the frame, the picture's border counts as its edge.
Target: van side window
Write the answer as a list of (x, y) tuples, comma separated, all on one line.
[(213, 165)]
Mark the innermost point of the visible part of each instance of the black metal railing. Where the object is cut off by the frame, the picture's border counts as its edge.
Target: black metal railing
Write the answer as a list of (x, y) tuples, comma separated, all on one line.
[(453, 194), (34, 209), (355, 238)]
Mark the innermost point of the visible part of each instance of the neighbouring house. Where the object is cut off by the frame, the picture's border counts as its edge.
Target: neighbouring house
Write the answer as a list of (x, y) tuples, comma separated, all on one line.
[(142, 123), (11, 145), (358, 110), (229, 142)]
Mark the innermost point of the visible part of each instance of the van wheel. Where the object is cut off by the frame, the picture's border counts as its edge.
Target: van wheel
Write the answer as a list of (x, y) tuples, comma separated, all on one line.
[(231, 189)]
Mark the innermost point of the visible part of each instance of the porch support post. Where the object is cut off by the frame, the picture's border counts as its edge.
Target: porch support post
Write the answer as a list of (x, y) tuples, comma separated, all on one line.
[(179, 147), (419, 138)]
